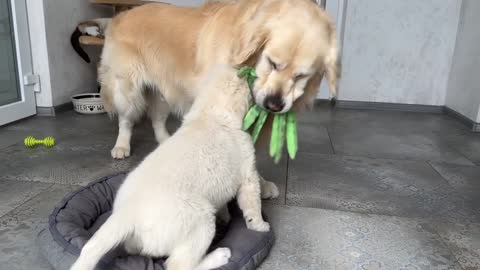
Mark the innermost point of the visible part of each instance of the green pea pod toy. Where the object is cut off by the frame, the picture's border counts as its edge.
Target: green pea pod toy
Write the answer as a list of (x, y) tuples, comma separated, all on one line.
[(281, 137), (292, 137), (284, 125)]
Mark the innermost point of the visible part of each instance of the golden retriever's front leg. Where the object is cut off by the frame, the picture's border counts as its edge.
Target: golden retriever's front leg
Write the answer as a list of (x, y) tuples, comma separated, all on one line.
[(269, 189)]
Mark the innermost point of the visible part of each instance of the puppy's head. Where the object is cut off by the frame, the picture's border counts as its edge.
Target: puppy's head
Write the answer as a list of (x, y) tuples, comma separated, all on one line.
[(292, 44)]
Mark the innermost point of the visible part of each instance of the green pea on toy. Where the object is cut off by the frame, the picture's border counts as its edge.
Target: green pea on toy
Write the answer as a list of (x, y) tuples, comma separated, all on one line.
[(284, 124)]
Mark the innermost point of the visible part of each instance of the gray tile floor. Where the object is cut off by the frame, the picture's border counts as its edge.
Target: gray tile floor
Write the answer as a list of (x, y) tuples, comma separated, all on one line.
[(368, 190)]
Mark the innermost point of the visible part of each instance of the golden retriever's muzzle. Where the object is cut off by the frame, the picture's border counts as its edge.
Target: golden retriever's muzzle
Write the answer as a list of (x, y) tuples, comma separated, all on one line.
[(274, 103)]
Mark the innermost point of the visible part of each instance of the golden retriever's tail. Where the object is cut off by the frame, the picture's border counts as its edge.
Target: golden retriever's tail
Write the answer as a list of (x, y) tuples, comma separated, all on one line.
[(332, 63), (95, 28)]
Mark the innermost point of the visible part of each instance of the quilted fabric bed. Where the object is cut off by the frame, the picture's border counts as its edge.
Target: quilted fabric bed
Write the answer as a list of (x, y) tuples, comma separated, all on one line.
[(81, 213)]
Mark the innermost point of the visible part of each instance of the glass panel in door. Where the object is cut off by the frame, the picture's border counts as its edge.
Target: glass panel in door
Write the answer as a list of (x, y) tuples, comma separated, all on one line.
[(9, 86)]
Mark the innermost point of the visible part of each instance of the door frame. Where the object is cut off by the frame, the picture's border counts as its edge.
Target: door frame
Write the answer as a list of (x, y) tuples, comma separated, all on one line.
[(26, 106)]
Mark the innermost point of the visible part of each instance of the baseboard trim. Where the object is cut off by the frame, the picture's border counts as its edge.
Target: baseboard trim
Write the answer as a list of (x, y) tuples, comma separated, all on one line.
[(474, 126), (365, 105), (343, 104), (45, 111), (346, 104), (63, 107), (52, 111), (324, 101)]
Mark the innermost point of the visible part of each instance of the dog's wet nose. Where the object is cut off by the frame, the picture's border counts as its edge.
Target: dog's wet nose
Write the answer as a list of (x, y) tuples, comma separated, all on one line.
[(274, 103)]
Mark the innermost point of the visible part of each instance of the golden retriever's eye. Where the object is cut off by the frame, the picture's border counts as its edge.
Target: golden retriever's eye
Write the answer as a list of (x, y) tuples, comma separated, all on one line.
[(299, 77), (273, 64)]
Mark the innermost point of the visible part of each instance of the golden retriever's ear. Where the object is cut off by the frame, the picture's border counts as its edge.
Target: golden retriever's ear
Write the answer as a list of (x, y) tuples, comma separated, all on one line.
[(251, 40), (311, 91), (332, 63)]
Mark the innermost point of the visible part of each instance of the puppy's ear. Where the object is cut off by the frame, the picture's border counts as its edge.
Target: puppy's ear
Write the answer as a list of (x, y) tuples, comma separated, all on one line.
[(332, 63), (311, 91), (251, 39)]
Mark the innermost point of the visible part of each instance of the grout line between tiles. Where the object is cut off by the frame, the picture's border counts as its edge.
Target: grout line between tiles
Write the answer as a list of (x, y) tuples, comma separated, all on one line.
[(439, 174), (44, 182), (331, 141), (49, 187), (444, 243), (286, 183), (378, 158)]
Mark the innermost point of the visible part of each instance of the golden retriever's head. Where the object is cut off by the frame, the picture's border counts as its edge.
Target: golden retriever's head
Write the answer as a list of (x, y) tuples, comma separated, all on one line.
[(291, 43)]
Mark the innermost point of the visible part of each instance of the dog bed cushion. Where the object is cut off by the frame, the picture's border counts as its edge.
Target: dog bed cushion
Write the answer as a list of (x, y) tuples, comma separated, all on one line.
[(80, 214)]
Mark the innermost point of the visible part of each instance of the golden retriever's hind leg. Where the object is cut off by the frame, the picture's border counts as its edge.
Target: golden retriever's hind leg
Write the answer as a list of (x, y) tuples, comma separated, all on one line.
[(129, 104), (158, 111)]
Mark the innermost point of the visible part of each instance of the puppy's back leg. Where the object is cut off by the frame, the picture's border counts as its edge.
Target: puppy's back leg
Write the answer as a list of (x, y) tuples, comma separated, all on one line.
[(190, 254), (110, 234), (129, 103), (215, 259)]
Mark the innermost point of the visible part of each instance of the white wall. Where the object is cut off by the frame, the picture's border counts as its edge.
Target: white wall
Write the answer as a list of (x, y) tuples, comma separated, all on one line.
[(398, 51), (69, 74), (464, 86)]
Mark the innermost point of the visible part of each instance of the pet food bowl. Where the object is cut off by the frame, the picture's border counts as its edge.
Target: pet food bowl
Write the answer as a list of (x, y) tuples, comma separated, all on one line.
[(89, 103)]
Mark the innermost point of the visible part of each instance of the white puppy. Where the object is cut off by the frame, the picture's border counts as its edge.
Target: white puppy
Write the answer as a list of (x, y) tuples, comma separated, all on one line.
[(167, 205)]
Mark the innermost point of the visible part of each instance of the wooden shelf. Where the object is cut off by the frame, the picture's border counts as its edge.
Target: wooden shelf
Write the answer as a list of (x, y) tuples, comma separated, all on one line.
[(88, 40), (118, 2), (118, 5)]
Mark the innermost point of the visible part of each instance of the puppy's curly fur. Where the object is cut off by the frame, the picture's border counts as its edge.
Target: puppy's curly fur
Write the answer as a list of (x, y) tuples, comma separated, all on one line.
[(167, 205)]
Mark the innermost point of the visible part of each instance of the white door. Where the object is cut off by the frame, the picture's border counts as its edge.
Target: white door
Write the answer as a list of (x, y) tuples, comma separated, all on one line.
[(17, 99)]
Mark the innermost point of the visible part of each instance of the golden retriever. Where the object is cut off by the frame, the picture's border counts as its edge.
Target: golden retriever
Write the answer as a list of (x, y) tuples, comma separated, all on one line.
[(155, 54)]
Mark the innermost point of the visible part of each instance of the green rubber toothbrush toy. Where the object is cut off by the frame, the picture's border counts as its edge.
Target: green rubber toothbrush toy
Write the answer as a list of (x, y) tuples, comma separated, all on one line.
[(284, 125)]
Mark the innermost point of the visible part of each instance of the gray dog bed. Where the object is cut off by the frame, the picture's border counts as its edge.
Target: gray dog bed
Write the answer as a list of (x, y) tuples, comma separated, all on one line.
[(81, 213)]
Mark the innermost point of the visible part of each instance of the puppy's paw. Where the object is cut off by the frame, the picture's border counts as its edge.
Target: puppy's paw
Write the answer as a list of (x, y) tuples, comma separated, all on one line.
[(218, 258), (120, 152), (259, 225), (269, 190)]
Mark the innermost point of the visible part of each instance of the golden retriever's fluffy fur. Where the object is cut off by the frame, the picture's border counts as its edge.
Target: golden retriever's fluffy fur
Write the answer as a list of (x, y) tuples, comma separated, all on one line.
[(166, 49)]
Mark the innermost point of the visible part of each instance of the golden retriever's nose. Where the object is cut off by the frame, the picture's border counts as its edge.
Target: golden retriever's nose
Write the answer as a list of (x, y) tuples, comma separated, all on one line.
[(274, 103)]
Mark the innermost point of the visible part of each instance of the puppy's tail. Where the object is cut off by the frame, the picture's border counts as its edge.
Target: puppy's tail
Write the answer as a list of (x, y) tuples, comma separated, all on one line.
[(111, 234), (95, 28)]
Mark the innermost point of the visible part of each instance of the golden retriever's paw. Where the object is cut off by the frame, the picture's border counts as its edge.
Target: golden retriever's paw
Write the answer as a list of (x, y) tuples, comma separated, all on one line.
[(259, 225), (269, 190), (120, 152)]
